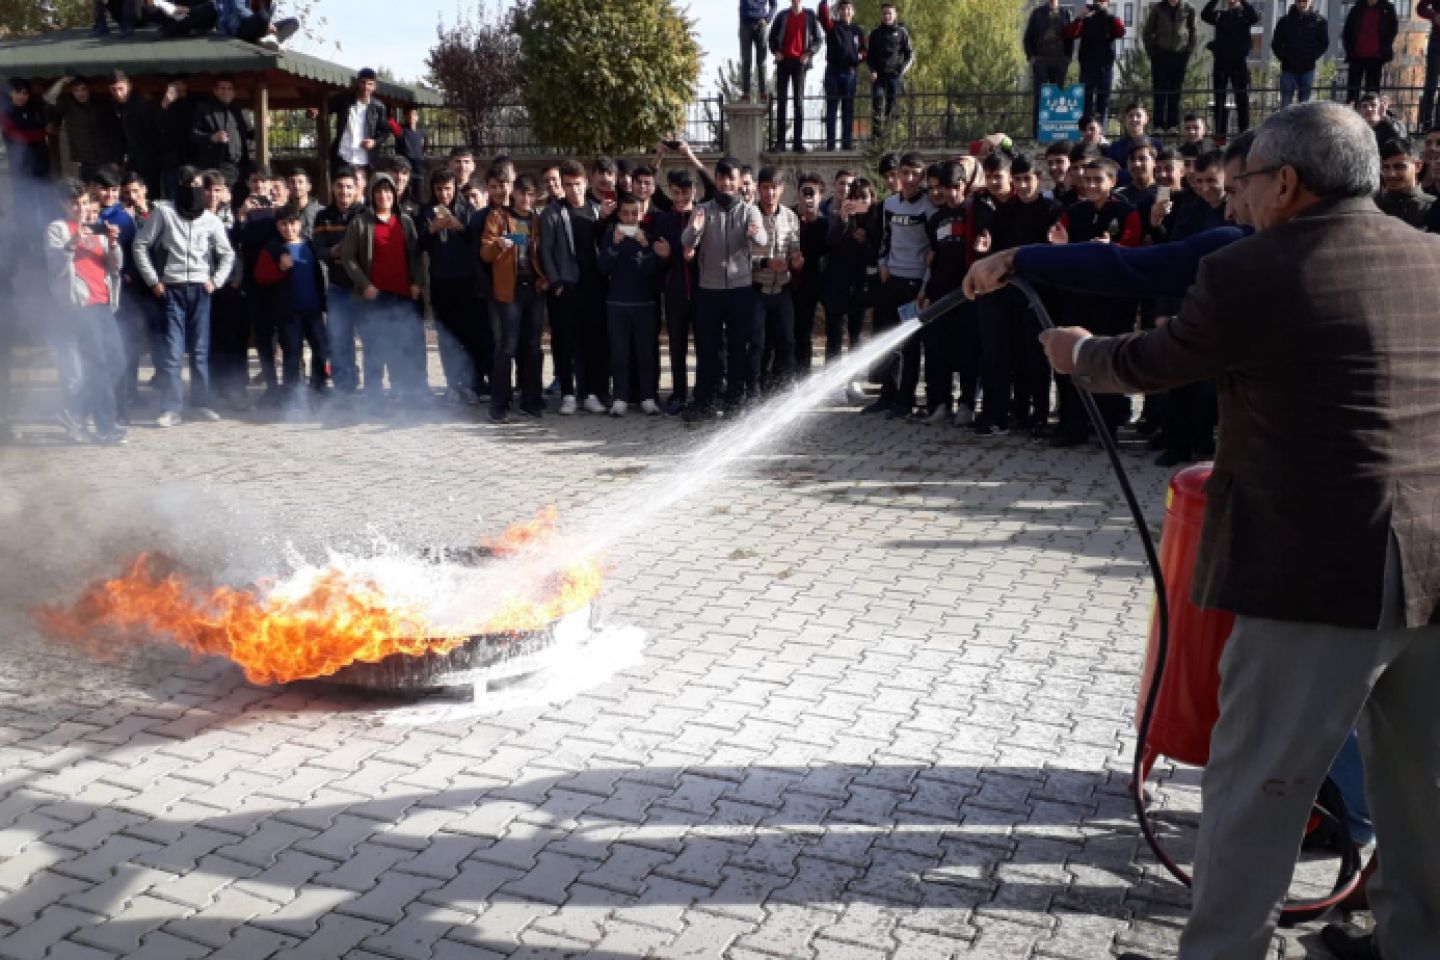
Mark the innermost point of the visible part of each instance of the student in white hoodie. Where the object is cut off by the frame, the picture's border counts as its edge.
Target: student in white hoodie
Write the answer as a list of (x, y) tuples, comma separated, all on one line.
[(83, 258), (197, 260)]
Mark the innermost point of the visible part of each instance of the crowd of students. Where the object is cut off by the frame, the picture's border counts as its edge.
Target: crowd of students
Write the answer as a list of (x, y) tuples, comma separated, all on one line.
[(735, 264)]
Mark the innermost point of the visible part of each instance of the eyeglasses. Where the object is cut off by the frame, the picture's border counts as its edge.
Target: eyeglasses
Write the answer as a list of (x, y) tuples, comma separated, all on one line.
[(1258, 173)]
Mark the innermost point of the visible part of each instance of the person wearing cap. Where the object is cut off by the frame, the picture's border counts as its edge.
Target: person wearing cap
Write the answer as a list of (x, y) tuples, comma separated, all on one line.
[(360, 124)]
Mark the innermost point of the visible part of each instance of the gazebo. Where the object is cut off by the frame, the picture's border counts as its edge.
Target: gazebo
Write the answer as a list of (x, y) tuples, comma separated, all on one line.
[(265, 79)]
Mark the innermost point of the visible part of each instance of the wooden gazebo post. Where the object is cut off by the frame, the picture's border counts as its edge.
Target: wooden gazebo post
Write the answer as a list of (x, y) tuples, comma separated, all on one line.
[(262, 121), (322, 140)]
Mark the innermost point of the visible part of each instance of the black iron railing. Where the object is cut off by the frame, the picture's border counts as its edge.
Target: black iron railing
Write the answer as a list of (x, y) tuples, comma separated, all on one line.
[(939, 121), (506, 129)]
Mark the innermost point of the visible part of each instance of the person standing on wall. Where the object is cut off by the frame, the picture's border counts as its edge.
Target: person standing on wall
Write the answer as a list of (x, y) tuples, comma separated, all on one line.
[(795, 40), (755, 17), (1169, 37), (1231, 48), (844, 52), (1048, 45), (1369, 41), (1301, 38)]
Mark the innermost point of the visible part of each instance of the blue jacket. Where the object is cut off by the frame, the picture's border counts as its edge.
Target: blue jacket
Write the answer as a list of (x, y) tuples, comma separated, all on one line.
[(752, 10), (1107, 269)]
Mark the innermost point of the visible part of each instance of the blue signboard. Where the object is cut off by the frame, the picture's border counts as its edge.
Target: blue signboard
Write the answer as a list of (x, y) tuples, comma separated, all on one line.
[(1060, 109)]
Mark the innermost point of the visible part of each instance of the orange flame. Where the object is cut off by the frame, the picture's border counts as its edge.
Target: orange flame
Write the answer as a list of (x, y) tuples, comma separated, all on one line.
[(338, 620)]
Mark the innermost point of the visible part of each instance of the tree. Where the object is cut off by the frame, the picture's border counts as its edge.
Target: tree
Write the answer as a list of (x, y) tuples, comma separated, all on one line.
[(476, 63), (961, 46), (25, 18), (606, 76)]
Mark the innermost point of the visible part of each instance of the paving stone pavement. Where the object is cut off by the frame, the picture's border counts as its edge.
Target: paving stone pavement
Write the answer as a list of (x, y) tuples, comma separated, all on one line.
[(884, 710)]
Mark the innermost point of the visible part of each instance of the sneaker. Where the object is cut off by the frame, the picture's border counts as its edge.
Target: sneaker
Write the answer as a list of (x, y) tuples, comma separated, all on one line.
[(74, 429), (554, 387), (856, 392), (650, 408), (496, 416), (287, 28), (879, 406), (939, 415), (1348, 942), (269, 42), (618, 408), (567, 406), (113, 438), (202, 415), (168, 419), (101, 29), (593, 404), (698, 414), (964, 415), (674, 406)]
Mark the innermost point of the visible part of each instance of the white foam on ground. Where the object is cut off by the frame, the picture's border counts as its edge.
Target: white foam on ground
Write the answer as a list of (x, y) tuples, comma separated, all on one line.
[(574, 668)]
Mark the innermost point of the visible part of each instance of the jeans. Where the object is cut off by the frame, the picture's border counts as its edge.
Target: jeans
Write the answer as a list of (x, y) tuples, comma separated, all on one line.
[(754, 37), (1098, 80), (392, 335), (1432, 80), (564, 312), (1168, 72), (101, 357), (297, 330), (340, 332), (1293, 84), (726, 316), (632, 335), (840, 103), (1235, 76), (458, 323), (884, 97), (772, 360), (788, 74), (679, 321), (517, 327), (187, 330), (888, 372), (1044, 71), (1364, 75)]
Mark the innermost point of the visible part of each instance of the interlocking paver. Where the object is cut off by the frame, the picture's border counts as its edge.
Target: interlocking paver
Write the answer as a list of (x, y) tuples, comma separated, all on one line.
[(884, 711)]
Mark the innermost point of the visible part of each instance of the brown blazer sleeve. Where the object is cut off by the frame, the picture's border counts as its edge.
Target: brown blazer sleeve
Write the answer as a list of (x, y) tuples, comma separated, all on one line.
[(1200, 344)]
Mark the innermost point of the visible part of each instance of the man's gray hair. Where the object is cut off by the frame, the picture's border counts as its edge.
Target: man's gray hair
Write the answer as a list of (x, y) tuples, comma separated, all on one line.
[(1330, 146)]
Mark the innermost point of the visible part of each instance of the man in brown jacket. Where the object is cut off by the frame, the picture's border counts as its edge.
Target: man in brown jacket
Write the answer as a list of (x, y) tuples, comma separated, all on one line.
[(1322, 531), (511, 245)]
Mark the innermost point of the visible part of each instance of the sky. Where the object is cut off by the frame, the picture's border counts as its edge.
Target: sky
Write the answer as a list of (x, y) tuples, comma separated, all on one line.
[(370, 33)]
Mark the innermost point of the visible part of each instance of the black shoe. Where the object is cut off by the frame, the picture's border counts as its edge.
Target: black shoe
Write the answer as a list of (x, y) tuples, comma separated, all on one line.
[(984, 428), (674, 406), (535, 410), (497, 416), (1134, 956), (1158, 440), (698, 414), (897, 413), (1347, 942), (778, 148), (1172, 458), (879, 406), (1068, 440)]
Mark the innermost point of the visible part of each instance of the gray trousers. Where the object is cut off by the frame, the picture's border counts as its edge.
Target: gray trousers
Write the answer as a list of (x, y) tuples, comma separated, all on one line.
[(1289, 695)]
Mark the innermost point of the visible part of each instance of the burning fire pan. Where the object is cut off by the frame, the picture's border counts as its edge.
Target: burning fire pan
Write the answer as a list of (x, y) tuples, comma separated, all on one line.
[(481, 659)]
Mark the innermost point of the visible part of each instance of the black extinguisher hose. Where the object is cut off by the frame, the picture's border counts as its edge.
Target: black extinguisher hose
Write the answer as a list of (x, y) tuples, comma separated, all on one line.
[(1329, 804)]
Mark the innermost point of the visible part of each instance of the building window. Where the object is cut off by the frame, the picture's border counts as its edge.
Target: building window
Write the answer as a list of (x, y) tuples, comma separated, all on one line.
[(1129, 14)]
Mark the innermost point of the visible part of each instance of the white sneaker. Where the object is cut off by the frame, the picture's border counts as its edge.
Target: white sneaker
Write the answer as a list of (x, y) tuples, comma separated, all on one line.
[(567, 406), (938, 415), (650, 407), (964, 416), (618, 408), (593, 404), (855, 393), (269, 42), (168, 419)]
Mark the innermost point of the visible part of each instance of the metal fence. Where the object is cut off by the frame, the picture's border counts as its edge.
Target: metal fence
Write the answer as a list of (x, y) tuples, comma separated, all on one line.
[(506, 129), (942, 121)]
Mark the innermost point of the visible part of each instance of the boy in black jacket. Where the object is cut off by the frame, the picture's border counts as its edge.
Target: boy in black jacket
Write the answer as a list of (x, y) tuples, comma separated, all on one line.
[(682, 279), (631, 263), (850, 276), (845, 50), (805, 283), (329, 230), (952, 342), (1014, 375), (1231, 47), (448, 237), (890, 54), (291, 276)]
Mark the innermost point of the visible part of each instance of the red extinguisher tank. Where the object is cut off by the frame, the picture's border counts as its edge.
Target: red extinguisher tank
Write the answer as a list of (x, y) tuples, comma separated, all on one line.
[(1187, 705)]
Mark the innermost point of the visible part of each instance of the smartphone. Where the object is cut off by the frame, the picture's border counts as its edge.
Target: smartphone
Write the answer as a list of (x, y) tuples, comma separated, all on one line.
[(910, 311), (262, 200), (1162, 194), (629, 229), (98, 227)]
